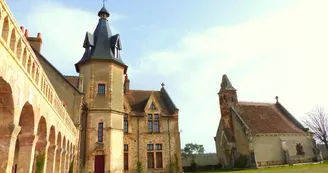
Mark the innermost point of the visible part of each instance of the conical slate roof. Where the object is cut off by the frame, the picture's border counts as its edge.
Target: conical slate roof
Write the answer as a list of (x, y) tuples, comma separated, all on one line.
[(101, 44)]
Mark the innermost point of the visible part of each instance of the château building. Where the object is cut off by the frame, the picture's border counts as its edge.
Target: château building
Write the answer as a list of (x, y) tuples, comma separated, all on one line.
[(92, 122)]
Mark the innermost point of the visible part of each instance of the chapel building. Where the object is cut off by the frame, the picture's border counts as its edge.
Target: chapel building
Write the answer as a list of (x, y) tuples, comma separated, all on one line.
[(266, 133)]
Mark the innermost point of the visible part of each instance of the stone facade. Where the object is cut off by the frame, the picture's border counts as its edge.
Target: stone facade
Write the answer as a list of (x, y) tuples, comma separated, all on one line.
[(69, 120), (267, 134), (34, 121)]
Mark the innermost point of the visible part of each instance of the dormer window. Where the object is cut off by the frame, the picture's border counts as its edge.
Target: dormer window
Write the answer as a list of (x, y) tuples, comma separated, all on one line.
[(152, 106)]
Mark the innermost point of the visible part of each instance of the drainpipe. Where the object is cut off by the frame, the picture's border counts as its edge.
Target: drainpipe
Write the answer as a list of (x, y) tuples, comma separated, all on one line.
[(138, 138), (168, 126)]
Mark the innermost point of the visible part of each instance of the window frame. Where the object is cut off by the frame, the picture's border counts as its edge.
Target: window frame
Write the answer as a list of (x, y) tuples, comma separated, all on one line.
[(100, 132), (99, 89), (126, 122), (126, 157), (154, 121), (153, 151)]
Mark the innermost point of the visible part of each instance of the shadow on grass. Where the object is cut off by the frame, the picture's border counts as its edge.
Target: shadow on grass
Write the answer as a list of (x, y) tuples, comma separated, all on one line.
[(325, 163)]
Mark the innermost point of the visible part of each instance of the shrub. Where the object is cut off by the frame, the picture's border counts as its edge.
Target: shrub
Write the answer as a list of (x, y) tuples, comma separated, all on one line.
[(71, 168), (172, 167), (139, 167), (193, 166), (40, 159), (241, 162)]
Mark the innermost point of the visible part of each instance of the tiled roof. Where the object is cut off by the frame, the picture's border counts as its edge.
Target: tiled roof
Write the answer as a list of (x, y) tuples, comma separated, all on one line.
[(74, 80), (267, 118), (138, 99)]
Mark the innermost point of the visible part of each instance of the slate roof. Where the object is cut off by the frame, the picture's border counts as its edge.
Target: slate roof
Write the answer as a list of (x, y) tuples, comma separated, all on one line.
[(138, 99), (40, 56), (101, 44), (268, 118), (74, 80)]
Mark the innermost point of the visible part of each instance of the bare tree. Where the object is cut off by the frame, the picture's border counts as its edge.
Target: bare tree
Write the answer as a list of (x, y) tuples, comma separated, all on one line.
[(317, 122)]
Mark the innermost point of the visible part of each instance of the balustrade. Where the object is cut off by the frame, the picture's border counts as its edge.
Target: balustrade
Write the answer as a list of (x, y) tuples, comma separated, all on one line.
[(21, 51)]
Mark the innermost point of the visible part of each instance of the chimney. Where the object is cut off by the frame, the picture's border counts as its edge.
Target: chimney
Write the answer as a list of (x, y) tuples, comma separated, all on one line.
[(35, 42), (126, 84)]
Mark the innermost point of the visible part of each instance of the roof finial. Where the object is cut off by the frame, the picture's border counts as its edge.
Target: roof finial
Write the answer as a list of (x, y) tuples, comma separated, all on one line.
[(277, 99), (104, 3), (163, 85)]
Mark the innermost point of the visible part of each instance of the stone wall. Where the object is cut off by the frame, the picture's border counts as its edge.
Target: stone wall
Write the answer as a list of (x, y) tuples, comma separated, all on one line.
[(202, 159), (269, 150), (70, 97)]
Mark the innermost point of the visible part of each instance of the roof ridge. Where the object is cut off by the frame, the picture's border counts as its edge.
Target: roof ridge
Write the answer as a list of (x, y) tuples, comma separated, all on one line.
[(71, 76), (255, 103), (144, 90)]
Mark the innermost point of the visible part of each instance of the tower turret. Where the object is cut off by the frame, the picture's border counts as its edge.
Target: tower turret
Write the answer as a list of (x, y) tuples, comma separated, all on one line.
[(103, 72), (228, 98)]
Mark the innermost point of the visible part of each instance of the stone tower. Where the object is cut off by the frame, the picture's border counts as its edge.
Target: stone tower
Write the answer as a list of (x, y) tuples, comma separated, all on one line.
[(228, 98), (101, 72)]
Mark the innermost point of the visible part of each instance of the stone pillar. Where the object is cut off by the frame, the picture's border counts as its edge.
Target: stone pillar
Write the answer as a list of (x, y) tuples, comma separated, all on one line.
[(63, 161), (58, 160), (7, 149), (8, 139), (67, 163), (26, 153), (51, 159)]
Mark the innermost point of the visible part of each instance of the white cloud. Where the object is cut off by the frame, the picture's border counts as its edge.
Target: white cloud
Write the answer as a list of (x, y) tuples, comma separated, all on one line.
[(282, 54), (63, 29)]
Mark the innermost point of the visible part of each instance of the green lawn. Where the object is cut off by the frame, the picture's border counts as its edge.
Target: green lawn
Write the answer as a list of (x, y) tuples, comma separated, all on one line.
[(315, 168)]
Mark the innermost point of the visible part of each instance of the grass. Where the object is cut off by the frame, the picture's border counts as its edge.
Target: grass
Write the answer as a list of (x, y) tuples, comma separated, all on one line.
[(314, 168)]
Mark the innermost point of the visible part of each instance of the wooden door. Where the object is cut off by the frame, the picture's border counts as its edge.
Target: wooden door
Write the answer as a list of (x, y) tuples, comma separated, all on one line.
[(100, 164)]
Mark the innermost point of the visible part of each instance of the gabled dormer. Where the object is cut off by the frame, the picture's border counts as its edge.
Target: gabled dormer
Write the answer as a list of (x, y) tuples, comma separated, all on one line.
[(152, 105), (116, 45), (88, 43)]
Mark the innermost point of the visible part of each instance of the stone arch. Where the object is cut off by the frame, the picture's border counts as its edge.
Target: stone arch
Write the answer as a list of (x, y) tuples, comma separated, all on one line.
[(29, 64), (68, 154), (42, 133), (5, 29), (26, 120), (40, 147), (58, 152), (6, 104), (63, 157), (26, 139), (51, 150), (13, 40), (7, 120), (19, 49), (24, 58)]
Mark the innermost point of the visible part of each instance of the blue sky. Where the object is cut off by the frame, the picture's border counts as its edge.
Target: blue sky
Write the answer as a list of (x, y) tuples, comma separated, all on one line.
[(267, 48)]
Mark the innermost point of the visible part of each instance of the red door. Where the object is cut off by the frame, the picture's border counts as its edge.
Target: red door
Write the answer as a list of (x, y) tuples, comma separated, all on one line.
[(100, 164)]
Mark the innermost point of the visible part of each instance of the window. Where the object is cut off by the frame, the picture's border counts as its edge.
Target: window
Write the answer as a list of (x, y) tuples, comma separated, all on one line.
[(126, 123), (153, 123), (152, 106), (100, 132), (153, 155), (117, 52), (126, 157), (101, 89)]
